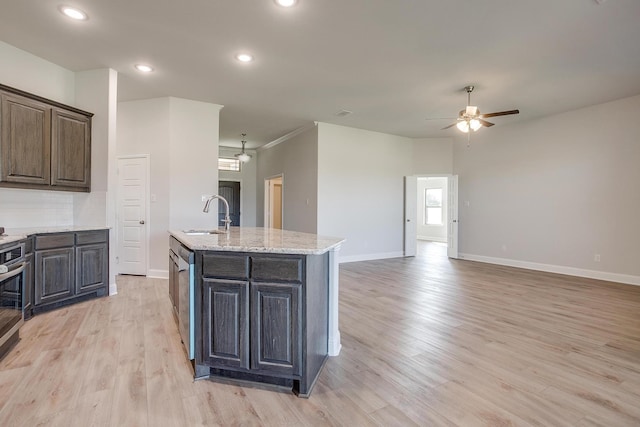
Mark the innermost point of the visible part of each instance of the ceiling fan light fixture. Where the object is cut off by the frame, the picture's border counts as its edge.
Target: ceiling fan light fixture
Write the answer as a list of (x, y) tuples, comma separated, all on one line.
[(463, 126), (475, 124)]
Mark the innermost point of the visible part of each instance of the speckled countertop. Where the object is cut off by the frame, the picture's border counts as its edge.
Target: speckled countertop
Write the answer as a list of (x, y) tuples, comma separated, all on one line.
[(15, 234), (257, 239)]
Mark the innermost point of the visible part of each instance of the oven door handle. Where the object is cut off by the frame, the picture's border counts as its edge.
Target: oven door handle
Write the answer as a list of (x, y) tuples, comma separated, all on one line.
[(13, 273)]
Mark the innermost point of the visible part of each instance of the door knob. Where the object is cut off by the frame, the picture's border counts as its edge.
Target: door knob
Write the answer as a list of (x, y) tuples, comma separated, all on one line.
[(142, 221)]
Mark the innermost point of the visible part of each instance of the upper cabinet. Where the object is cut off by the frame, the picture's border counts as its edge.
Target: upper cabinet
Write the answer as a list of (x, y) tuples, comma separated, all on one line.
[(43, 144)]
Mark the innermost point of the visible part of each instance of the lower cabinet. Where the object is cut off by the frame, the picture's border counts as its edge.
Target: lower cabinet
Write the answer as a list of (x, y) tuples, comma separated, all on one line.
[(91, 267), (276, 323), (54, 275), (263, 318), (70, 267), (226, 313)]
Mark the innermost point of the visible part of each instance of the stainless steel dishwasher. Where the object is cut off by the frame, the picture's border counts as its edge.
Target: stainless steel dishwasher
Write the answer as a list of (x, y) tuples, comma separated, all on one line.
[(186, 297)]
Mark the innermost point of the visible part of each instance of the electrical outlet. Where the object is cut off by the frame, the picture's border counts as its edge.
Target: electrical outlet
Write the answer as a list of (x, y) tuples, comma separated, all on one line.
[(596, 257)]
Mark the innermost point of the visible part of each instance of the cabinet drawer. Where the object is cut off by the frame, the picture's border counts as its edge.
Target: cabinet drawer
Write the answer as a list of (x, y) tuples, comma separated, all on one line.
[(276, 269), (88, 237), (225, 266), (49, 241)]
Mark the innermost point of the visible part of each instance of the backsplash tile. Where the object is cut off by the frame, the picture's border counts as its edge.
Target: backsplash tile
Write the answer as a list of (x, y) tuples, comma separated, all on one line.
[(35, 208)]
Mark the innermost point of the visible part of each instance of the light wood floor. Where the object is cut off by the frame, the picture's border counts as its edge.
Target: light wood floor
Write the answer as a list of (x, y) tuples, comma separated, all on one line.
[(426, 341)]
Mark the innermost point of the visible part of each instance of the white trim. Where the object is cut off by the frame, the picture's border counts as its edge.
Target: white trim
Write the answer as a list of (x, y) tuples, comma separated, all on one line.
[(287, 136), (113, 289), (158, 274), (370, 257), (559, 269), (333, 338)]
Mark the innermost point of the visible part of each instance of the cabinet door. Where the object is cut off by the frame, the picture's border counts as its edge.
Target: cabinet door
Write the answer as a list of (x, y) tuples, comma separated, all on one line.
[(91, 268), (25, 141), (275, 328), (70, 149), (225, 328), (54, 275)]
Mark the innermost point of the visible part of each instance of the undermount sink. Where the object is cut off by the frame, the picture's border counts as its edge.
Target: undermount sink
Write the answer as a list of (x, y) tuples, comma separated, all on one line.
[(203, 232)]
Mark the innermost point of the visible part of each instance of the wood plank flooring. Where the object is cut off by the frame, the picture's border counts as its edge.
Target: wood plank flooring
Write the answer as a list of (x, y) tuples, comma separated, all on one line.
[(427, 341)]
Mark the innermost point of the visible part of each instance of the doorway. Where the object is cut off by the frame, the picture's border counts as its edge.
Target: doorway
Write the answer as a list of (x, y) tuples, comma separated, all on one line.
[(132, 207), (431, 212), (230, 190), (273, 202)]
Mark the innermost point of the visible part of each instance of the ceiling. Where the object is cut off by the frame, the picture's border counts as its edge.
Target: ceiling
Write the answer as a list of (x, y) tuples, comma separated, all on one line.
[(392, 63)]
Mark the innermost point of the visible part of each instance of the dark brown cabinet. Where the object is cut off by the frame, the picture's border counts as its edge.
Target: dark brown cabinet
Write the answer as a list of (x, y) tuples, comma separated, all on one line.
[(226, 313), (262, 317), (70, 267), (54, 275), (275, 332), (43, 144), (91, 266), (70, 150)]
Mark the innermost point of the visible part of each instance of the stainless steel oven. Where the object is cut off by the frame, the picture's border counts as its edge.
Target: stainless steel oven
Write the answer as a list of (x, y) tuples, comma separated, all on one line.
[(12, 264)]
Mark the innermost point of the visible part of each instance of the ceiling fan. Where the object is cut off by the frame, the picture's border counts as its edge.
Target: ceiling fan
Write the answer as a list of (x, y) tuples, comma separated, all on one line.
[(470, 117)]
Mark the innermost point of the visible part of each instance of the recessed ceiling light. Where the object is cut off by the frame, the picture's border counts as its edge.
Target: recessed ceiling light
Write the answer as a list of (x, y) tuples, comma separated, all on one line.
[(244, 57), (286, 3), (73, 13), (144, 68)]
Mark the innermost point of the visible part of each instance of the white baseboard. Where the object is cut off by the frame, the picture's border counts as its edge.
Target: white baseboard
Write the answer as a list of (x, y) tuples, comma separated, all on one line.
[(113, 289), (370, 257), (158, 274), (550, 268), (433, 239)]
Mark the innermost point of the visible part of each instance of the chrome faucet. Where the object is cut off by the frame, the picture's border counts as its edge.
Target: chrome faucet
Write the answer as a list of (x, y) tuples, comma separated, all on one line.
[(227, 219)]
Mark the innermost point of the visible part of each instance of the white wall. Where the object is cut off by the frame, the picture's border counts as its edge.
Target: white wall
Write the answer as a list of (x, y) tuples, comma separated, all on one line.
[(552, 193), (432, 156), (96, 91), (248, 188), (143, 128), (297, 160), (30, 73), (181, 138), (361, 190), (436, 233), (194, 134)]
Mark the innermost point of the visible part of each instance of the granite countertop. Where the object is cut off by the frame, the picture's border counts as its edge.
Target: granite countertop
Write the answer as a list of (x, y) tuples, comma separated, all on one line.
[(16, 234), (257, 239)]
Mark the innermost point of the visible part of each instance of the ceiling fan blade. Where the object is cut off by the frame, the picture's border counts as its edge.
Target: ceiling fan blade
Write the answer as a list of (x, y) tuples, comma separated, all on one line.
[(450, 126), (486, 123), (500, 113)]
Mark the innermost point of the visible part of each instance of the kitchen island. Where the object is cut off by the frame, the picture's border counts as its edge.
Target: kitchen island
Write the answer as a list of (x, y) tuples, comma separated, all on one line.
[(264, 304)]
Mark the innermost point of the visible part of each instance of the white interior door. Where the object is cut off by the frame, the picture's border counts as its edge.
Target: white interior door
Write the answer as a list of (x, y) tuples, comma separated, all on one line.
[(452, 235), (410, 215), (132, 215)]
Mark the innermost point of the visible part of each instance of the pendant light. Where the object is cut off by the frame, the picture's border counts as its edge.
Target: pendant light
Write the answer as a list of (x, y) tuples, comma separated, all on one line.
[(243, 157)]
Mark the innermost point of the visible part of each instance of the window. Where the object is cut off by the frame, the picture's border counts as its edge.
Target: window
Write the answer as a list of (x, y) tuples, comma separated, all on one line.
[(433, 206), (228, 164)]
